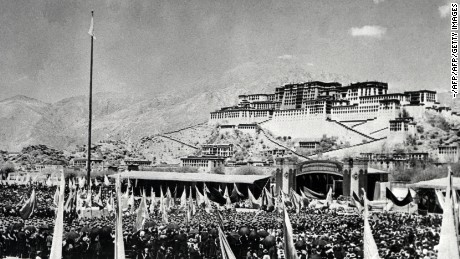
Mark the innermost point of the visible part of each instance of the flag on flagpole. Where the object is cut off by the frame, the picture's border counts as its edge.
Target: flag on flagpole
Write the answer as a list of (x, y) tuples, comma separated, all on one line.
[(56, 247), (119, 243), (359, 203), (28, 208), (152, 201), (190, 208), (329, 197), (207, 203), (89, 200), (81, 182), (236, 189), (91, 26), (131, 202), (255, 204), (370, 248), (289, 249), (106, 181), (440, 198), (270, 203), (48, 181), (183, 198), (225, 248), (228, 202), (164, 214), (448, 243), (68, 204), (455, 208), (279, 203), (175, 192), (192, 205), (236, 194), (110, 204), (79, 201), (168, 198), (199, 197), (296, 201), (141, 214), (162, 202), (97, 199), (56, 197)]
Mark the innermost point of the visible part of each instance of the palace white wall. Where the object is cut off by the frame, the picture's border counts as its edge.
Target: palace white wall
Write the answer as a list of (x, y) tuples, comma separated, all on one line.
[(313, 126), (415, 111), (238, 120)]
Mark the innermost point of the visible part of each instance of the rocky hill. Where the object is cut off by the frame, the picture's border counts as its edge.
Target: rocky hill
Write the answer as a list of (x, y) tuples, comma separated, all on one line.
[(129, 117)]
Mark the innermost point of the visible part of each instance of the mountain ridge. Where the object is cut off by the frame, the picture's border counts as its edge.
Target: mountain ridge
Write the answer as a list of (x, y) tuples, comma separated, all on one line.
[(131, 116)]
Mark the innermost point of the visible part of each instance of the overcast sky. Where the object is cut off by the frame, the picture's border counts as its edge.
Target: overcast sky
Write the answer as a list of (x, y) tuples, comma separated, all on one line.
[(153, 45)]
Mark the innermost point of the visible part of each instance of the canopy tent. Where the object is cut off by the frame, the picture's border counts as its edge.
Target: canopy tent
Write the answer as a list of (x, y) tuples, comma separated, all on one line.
[(191, 177), (439, 183)]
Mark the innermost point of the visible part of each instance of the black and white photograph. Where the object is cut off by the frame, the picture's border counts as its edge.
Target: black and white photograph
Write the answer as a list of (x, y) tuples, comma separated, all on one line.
[(229, 129)]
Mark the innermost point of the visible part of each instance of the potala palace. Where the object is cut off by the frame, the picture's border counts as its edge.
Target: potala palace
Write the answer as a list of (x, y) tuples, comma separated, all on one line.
[(363, 114)]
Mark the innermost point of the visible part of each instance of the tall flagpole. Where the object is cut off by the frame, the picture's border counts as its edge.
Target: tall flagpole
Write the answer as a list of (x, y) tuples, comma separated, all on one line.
[(88, 176)]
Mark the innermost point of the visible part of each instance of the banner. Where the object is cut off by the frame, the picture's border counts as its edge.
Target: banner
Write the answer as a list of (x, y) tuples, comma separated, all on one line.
[(408, 199)]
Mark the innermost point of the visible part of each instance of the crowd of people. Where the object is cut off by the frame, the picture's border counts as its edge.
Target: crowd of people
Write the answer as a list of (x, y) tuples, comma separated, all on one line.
[(317, 232), (406, 235)]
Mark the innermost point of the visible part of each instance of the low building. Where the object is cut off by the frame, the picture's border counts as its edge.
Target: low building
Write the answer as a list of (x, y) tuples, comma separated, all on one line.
[(96, 163), (222, 150), (278, 152), (203, 163), (401, 129), (448, 153), (138, 162), (424, 97), (310, 144), (257, 163), (421, 156)]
